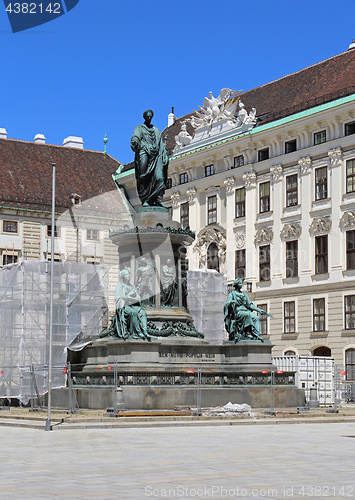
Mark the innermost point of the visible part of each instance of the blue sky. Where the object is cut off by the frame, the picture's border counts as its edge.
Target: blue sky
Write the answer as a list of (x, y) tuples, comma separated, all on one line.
[(98, 67)]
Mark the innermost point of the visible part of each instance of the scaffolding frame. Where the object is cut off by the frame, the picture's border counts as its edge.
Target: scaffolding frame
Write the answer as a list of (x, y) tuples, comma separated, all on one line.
[(80, 312)]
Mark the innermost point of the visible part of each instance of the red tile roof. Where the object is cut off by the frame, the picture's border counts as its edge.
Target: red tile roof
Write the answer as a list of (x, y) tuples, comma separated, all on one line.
[(26, 176), (309, 87)]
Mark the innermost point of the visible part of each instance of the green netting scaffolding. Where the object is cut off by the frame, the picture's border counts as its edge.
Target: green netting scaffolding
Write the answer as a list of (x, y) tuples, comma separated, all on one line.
[(80, 311)]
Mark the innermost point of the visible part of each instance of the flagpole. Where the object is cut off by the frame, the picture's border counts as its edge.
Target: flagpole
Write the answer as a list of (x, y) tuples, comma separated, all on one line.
[(48, 426)]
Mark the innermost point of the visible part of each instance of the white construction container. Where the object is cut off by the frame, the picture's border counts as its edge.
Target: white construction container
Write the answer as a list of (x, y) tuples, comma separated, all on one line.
[(311, 371)]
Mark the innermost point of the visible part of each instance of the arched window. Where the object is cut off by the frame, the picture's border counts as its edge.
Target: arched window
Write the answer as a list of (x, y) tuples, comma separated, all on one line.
[(290, 353), (322, 351), (350, 364), (212, 257)]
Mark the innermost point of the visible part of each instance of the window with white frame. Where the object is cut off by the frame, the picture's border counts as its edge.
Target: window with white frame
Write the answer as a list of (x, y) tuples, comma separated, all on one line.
[(319, 315), (184, 178), (209, 170), (212, 209), (93, 234), (238, 161), (10, 226), (264, 263), (240, 202), (264, 197), (321, 183), (263, 319), (350, 364), (349, 306), (290, 146), (320, 137), (289, 317), (350, 176), (291, 190)]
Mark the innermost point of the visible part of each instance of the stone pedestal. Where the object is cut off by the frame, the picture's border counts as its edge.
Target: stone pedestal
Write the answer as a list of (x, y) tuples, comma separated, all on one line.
[(163, 373)]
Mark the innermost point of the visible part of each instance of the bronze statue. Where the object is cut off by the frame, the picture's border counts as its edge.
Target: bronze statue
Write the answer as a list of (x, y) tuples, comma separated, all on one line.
[(240, 321), (130, 320), (151, 162)]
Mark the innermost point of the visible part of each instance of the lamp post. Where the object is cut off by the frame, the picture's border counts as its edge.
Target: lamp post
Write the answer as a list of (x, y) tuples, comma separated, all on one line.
[(48, 426)]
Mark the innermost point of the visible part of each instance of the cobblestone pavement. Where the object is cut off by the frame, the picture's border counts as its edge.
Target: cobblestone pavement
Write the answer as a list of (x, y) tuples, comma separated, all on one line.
[(265, 461)]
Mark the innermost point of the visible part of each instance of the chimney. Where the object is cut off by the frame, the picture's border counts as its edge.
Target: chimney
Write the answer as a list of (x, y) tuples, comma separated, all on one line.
[(171, 117), (74, 142), (40, 139), (3, 133), (352, 45)]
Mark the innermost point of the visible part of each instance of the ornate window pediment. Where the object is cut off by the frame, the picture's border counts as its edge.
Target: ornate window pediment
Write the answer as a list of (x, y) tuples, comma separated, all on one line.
[(263, 235), (348, 220), (291, 231), (320, 225)]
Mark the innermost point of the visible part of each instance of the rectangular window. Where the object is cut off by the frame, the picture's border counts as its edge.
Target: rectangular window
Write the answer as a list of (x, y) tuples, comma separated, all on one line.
[(9, 226), (290, 146), (238, 161), (240, 264), (264, 197), (8, 259), (350, 128), (291, 259), (184, 178), (56, 231), (263, 319), (184, 214), (350, 364), (239, 202), (209, 170), (92, 235), (350, 176), (263, 154), (212, 210), (321, 254), (170, 213), (320, 137), (289, 317), (350, 249), (291, 190), (264, 263), (319, 315), (169, 183), (321, 183), (349, 312)]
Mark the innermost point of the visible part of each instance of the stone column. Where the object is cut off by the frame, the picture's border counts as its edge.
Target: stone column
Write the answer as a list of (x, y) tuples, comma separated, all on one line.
[(250, 217), (337, 239), (304, 250), (277, 207), (230, 211)]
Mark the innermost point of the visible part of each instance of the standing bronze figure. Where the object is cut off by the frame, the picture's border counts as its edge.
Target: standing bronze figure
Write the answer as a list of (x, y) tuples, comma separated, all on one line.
[(151, 162)]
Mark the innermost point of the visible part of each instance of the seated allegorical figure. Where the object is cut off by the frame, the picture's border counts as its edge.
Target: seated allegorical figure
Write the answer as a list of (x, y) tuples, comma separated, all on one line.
[(130, 320), (240, 321)]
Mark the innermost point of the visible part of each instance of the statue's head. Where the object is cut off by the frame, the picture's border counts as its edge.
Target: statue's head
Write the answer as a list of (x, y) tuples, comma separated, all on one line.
[(143, 261), (238, 283), (124, 274), (168, 262), (148, 114)]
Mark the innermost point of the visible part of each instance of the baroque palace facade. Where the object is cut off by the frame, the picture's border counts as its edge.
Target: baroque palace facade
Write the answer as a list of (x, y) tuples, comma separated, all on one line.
[(266, 179)]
